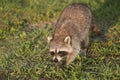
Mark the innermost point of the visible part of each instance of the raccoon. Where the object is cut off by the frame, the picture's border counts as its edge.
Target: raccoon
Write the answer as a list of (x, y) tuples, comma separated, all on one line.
[(71, 35)]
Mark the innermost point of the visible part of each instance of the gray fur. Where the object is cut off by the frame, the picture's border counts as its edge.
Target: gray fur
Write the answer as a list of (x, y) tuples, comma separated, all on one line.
[(75, 21)]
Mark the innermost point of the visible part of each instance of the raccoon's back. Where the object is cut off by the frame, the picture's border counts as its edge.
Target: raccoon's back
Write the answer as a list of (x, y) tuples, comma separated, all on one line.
[(78, 13)]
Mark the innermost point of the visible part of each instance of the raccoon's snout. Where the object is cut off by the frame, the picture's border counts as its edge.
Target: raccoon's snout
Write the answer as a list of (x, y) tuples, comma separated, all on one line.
[(55, 60)]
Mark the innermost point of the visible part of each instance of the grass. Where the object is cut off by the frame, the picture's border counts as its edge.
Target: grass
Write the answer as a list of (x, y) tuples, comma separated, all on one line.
[(23, 49)]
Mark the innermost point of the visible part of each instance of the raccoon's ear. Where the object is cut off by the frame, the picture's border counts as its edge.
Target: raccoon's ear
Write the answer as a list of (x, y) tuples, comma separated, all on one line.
[(49, 38), (67, 40)]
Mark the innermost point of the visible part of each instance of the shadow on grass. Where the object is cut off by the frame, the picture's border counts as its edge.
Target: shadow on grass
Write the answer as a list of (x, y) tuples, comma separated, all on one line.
[(107, 14)]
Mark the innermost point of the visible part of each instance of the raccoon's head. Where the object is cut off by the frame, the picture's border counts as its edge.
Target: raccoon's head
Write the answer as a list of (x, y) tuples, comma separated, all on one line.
[(60, 48)]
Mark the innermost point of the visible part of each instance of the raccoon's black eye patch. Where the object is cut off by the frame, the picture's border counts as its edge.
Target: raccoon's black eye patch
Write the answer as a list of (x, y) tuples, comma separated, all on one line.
[(52, 53), (62, 53)]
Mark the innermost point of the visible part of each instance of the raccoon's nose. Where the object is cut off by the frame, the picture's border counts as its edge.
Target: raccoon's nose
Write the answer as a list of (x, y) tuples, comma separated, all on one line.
[(55, 60)]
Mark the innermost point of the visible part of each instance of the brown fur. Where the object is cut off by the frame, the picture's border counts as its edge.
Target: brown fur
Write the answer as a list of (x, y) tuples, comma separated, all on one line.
[(73, 25)]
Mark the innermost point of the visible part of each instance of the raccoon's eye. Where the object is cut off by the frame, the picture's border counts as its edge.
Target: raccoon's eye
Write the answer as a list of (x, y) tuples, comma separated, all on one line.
[(62, 53), (52, 53)]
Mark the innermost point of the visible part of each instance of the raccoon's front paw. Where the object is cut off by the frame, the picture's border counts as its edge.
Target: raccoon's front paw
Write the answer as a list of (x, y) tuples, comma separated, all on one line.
[(83, 52), (67, 63)]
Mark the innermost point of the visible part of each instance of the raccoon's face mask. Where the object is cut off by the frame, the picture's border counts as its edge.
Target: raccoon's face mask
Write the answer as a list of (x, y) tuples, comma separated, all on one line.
[(58, 56), (60, 50)]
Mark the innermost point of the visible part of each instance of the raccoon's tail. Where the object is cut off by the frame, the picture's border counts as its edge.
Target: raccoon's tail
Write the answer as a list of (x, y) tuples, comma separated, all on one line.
[(95, 28)]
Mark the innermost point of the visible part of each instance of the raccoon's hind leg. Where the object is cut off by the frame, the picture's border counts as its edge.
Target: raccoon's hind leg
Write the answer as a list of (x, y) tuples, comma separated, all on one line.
[(95, 28), (84, 45)]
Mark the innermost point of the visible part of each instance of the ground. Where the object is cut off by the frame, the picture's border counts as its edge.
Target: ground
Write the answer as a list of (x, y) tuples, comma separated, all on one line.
[(25, 25)]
